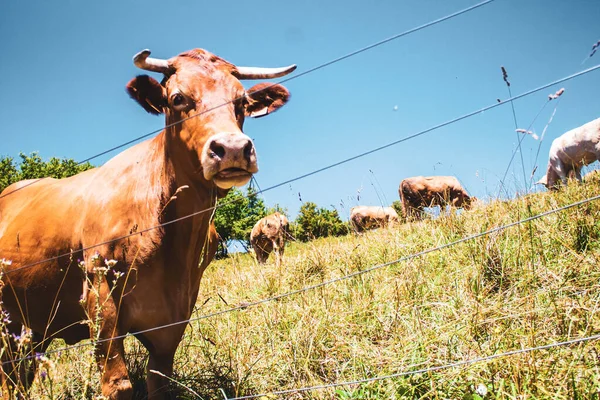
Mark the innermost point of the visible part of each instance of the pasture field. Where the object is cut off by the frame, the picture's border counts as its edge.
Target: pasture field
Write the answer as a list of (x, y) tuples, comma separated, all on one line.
[(530, 285)]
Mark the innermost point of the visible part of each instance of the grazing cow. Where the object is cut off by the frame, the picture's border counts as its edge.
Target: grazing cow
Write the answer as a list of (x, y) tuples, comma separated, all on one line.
[(371, 217), (270, 233), (420, 192), (570, 152), (151, 277)]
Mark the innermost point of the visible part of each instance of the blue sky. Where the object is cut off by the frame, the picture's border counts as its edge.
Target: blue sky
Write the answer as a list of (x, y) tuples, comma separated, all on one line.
[(65, 65)]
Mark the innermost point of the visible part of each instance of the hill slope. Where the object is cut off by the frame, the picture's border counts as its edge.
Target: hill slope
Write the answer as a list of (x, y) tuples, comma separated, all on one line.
[(526, 286)]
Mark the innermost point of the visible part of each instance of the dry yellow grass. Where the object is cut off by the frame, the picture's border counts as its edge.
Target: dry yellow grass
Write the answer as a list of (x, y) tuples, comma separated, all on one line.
[(529, 285)]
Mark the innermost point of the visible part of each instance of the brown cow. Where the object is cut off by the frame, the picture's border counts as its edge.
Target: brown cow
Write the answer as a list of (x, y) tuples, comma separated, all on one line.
[(270, 233), (420, 192), (371, 217), (182, 171)]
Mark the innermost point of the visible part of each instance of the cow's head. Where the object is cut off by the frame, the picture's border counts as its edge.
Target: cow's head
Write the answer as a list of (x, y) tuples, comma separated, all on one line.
[(551, 180), (205, 105), (470, 201), (543, 181)]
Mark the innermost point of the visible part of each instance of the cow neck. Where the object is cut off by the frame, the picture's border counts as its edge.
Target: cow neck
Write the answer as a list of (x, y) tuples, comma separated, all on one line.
[(182, 168)]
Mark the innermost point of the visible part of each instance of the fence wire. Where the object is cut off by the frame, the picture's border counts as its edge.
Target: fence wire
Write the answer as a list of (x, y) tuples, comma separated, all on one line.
[(319, 285), (314, 172), (309, 71), (423, 370)]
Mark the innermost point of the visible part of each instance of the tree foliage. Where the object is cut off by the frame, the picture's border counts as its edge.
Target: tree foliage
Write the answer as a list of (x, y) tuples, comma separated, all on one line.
[(313, 222), (237, 214), (32, 167), (397, 206)]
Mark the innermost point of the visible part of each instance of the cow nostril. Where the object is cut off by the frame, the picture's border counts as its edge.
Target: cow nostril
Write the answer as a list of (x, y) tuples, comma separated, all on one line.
[(248, 148), (217, 150)]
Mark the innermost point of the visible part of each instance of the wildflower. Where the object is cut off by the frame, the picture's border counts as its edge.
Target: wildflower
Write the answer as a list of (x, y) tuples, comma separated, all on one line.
[(557, 94), (5, 263), (4, 316), (110, 263), (101, 270), (533, 135), (46, 365), (481, 390), (24, 338)]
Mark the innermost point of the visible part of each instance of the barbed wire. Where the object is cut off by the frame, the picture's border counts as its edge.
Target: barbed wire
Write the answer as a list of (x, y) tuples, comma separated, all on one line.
[(321, 284), (314, 172), (423, 370), (308, 71)]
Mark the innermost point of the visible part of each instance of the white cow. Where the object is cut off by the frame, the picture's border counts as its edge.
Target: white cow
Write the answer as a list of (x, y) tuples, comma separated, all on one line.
[(570, 152)]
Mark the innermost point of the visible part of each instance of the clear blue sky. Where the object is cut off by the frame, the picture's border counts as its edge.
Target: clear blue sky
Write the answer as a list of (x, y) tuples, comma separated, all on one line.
[(65, 64)]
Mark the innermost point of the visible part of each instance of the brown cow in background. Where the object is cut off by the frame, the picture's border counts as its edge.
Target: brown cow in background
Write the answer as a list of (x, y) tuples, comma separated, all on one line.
[(363, 218), (132, 277), (270, 233), (419, 192)]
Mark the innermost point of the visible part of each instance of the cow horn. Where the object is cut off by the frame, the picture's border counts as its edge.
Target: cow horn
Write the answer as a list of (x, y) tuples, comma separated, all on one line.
[(262, 73), (142, 61)]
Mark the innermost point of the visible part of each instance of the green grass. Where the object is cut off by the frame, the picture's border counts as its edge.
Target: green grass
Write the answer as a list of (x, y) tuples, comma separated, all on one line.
[(527, 286)]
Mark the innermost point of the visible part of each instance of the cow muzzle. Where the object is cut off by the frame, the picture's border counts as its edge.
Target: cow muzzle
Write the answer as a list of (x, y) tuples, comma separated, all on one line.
[(229, 159)]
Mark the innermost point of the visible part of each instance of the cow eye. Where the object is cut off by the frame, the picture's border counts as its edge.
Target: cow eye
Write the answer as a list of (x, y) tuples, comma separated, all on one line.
[(178, 101)]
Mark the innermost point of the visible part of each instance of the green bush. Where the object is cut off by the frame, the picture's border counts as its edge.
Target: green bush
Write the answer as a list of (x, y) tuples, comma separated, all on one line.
[(32, 167), (236, 216), (313, 222)]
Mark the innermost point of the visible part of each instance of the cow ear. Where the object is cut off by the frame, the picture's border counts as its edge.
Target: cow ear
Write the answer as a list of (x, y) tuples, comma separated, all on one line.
[(148, 93), (265, 98)]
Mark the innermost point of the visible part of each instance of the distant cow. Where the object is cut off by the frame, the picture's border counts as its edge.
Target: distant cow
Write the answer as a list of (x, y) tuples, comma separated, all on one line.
[(363, 218), (270, 234), (570, 152), (419, 192)]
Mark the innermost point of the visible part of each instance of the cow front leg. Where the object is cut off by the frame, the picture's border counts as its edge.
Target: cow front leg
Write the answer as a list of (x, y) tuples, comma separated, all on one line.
[(278, 248), (261, 253), (103, 314), (161, 345)]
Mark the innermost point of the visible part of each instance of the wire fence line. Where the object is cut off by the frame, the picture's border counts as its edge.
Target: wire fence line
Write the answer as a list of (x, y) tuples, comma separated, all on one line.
[(296, 76), (316, 171), (321, 284), (424, 370)]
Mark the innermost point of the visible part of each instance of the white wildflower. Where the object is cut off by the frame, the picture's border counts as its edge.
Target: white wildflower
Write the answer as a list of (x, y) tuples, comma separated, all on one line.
[(481, 390)]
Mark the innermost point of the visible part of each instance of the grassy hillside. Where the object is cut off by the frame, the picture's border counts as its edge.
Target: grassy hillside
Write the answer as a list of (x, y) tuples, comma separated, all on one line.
[(529, 285)]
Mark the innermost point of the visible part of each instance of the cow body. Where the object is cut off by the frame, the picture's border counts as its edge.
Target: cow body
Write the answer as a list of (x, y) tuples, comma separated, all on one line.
[(570, 152), (363, 218), (114, 212), (420, 192), (269, 234)]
